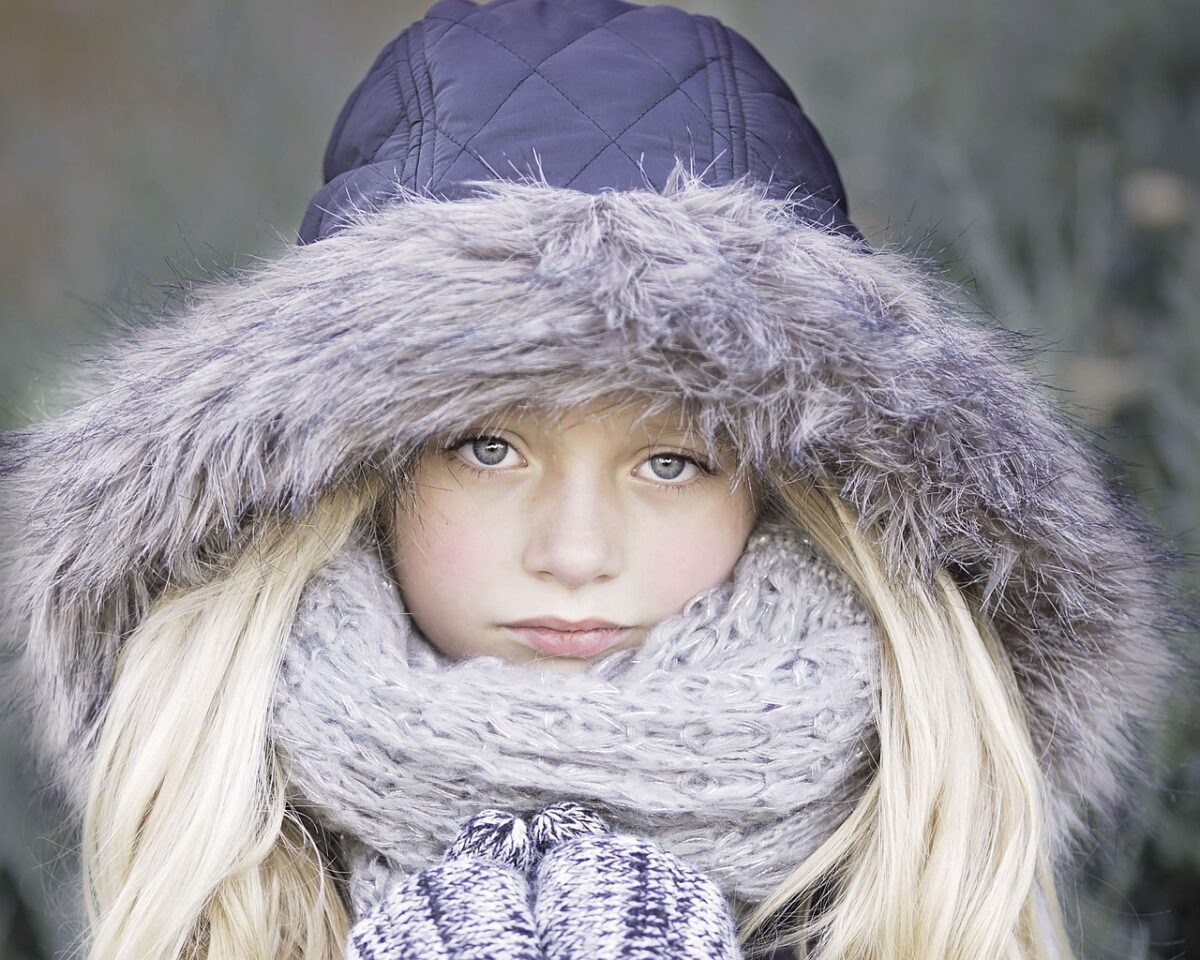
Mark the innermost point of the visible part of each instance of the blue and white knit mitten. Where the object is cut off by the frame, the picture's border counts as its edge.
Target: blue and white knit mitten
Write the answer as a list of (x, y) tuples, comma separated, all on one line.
[(596, 895), (600, 895), (475, 905)]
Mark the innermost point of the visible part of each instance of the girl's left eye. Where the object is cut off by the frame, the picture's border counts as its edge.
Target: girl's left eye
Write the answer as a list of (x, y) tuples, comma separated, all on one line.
[(674, 469)]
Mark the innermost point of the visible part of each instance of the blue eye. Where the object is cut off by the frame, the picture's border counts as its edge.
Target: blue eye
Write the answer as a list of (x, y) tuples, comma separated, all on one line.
[(490, 451), (668, 466), (484, 455), (674, 470)]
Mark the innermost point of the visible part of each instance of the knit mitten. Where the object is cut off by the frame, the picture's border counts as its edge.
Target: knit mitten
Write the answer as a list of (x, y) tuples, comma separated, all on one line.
[(475, 905), (600, 895)]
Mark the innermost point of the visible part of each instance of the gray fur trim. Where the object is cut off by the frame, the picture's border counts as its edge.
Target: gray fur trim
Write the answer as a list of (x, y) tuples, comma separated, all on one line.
[(343, 355)]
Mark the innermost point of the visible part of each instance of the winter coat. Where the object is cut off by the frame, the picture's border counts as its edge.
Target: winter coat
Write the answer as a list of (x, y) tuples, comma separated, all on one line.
[(268, 389)]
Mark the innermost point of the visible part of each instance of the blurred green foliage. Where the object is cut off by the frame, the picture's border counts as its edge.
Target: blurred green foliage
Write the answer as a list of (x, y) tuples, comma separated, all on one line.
[(1044, 153)]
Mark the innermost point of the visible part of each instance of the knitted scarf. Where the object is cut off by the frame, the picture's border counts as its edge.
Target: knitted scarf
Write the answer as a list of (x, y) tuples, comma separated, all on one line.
[(736, 737)]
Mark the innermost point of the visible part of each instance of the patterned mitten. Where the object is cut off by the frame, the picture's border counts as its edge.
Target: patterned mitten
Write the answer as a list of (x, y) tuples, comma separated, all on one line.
[(475, 905), (600, 895)]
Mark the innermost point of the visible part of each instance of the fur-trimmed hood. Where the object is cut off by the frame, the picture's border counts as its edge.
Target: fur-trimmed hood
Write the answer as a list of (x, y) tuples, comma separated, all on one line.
[(342, 356), (345, 355)]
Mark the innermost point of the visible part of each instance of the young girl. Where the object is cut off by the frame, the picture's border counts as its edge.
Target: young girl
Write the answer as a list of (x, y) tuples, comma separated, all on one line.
[(562, 552)]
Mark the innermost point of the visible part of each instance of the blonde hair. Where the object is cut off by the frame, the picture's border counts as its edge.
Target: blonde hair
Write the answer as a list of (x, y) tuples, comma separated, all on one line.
[(946, 853), (192, 850)]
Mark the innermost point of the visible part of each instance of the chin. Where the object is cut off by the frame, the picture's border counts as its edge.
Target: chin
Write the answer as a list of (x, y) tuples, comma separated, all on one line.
[(560, 664)]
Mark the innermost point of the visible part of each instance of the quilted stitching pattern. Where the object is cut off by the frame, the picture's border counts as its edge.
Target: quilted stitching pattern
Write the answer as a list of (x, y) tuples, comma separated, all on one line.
[(590, 94), (534, 70), (581, 88)]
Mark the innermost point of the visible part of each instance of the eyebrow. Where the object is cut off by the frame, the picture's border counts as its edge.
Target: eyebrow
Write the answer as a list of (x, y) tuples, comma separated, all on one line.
[(667, 420), (659, 425), (672, 430)]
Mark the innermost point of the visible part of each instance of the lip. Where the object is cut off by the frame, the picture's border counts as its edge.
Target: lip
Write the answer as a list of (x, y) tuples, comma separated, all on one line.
[(558, 623), (568, 638)]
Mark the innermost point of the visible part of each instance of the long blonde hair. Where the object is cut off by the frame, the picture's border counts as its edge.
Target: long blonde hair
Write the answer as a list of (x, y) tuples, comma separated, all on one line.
[(946, 853), (191, 848)]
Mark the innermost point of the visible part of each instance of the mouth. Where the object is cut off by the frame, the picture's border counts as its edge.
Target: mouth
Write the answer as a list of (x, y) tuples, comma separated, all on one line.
[(565, 638)]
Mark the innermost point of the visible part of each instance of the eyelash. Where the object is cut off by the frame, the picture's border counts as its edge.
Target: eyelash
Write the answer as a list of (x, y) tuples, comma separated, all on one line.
[(705, 469)]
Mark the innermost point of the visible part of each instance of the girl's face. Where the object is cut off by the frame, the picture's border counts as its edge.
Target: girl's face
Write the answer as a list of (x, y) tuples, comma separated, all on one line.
[(533, 526)]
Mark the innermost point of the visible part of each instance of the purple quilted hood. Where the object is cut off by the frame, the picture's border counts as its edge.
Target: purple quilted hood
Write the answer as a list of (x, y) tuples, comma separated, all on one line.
[(588, 94)]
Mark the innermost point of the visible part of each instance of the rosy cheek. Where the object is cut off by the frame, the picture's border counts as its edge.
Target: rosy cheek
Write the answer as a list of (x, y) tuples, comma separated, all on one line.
[(441, 568), (679, 563), (452, 547)]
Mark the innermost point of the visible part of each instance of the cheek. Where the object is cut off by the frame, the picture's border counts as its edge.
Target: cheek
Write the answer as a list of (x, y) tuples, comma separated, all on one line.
[(443, 548), (447, 562), (684, 555)]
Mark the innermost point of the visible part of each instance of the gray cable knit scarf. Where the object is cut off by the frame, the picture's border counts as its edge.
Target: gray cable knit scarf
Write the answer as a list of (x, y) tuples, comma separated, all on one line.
[(736, 736)]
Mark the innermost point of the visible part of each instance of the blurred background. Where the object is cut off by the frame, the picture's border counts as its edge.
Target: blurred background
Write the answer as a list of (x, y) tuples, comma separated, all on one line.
[(1043, 153)]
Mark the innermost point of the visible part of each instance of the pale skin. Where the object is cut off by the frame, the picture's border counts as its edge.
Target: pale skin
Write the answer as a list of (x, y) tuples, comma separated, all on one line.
[(588, 515)]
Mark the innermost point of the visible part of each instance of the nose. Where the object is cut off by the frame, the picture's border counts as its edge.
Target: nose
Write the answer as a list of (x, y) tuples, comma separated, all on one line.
[(575, 531)]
